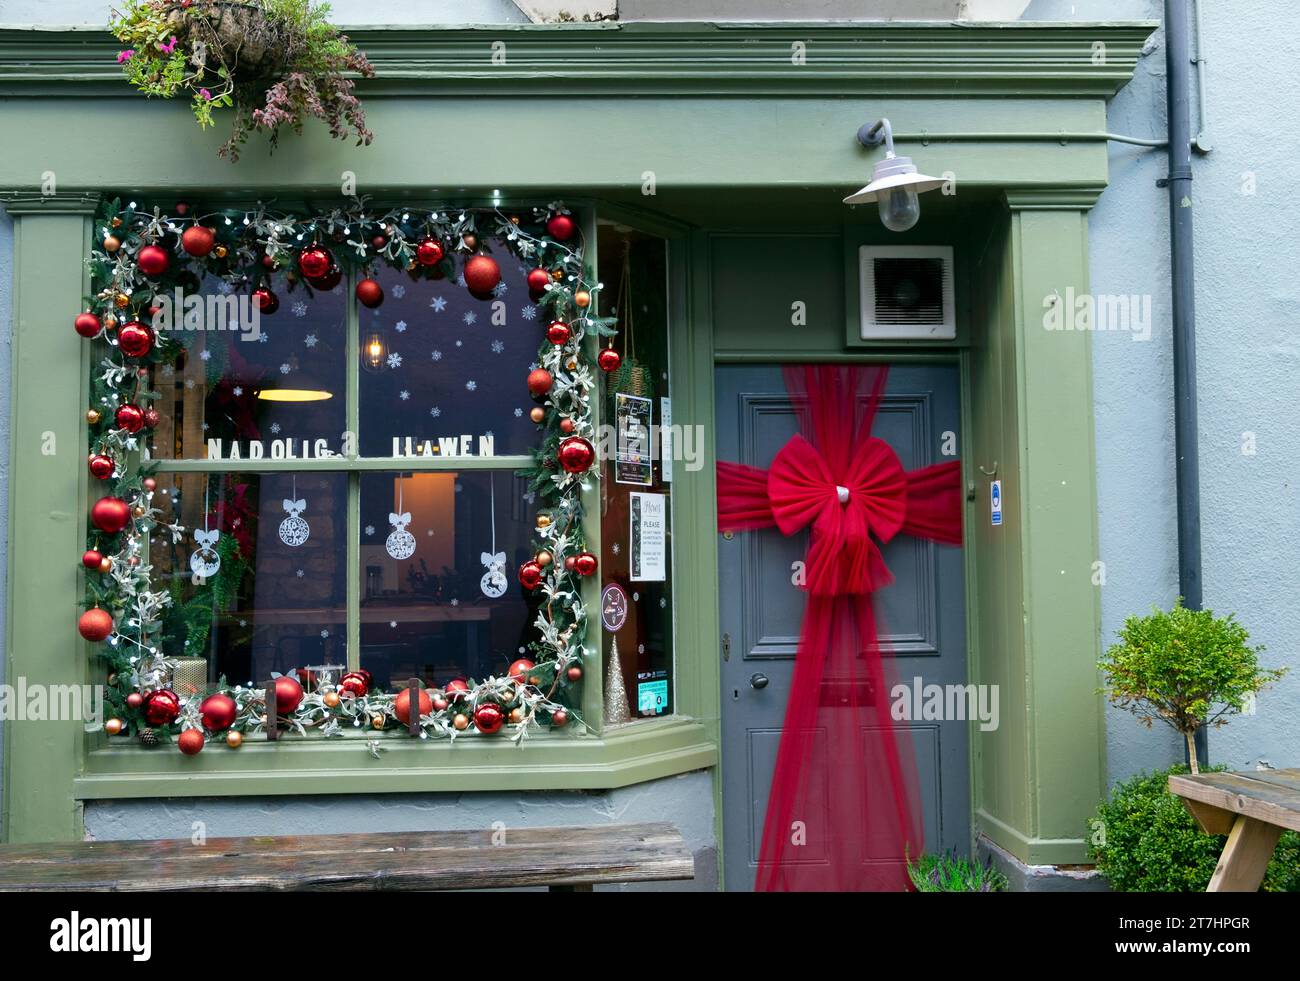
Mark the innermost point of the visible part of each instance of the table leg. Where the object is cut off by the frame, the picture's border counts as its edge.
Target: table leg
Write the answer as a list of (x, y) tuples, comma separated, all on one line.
[(1245, 856)]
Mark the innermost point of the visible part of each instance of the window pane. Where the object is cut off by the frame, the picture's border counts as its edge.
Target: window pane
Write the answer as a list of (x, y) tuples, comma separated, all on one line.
[(439, 598), (258, 583), (228, 383), (439, 363), (636, 528)]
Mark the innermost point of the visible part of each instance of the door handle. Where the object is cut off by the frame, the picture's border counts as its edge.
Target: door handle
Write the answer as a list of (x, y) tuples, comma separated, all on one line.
[(758, 681)]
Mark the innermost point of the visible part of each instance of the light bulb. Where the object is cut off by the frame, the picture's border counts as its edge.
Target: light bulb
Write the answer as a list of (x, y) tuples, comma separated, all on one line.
[(899, 208), (373, 352)]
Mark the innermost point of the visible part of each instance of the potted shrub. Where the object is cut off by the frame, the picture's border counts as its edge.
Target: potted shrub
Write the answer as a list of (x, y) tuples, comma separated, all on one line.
[(273, 63), (1185, 668)]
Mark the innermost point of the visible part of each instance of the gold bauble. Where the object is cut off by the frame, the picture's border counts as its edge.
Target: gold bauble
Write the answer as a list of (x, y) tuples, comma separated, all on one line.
[(116, 222), (571, 364), (112, 243), (220, 251), (543, 558), (106, 564), (93, 416), (557, 274), (331, 699), (377, 722), (537, 414), (543, 521), (113, 726), (234, 739), (517, 715), (461, 721), (138, 511), (582, 298), (121, 300)]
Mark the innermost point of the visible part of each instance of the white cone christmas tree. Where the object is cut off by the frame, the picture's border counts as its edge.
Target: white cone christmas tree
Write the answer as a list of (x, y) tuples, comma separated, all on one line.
[(616, 711)]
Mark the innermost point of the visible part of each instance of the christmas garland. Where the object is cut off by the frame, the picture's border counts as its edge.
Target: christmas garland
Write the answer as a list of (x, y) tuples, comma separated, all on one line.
[(145, 255)]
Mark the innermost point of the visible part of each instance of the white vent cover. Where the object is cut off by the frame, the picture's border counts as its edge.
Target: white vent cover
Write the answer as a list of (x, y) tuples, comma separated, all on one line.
[(907, 292)]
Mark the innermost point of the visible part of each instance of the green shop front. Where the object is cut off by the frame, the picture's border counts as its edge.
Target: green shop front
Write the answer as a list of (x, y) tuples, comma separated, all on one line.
[(379, 470)]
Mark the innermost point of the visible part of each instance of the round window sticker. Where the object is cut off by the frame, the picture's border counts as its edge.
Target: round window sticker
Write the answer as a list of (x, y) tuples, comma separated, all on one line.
[(613, 607)]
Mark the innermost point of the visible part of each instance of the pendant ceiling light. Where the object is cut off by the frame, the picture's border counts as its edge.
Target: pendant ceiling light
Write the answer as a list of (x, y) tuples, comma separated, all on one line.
[(895, 182)]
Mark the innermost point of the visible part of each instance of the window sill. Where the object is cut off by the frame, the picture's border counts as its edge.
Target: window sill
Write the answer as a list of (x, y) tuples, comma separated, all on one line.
[(628, 755)]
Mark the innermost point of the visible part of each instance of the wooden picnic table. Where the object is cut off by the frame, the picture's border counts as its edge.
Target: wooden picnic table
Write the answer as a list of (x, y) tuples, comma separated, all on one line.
[(1252, 808), (564, 859)]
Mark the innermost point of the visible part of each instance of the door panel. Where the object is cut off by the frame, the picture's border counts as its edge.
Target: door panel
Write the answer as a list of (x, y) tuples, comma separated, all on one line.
[(921, 614)]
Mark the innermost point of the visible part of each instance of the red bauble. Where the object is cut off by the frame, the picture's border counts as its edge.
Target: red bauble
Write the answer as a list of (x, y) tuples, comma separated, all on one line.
[(110, 515), (95, 625), (567, 425), (314, 262), (574, 673), (378, 242), (489, 718), (161, 707), (429, 252), (198, 241), (540, 381), (370, 293), (355, 683), (482, 273), (288, 695), (333, 276), (558, 333), (576, 454), (559, 718), (570, 562), (538, 280), (153, 260), (190, 742), (402, 705), (92, 558), (218, 712), (135, 339), (457, 688), (268, 262), (267, 302), (608, 359), (129, 417), (134, 700), (561, 228), (530, 575), (151, 419), (101, 467), (519, 670), (87, 325), (584, 563)]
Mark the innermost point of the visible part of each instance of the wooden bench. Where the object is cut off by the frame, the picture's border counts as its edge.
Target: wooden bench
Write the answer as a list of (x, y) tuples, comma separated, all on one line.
[(1252, 809), (564, 859)]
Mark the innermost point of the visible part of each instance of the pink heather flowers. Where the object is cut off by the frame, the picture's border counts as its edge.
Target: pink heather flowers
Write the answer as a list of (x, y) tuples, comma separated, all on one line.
[(126, 55), (170, 46), (207, 96)]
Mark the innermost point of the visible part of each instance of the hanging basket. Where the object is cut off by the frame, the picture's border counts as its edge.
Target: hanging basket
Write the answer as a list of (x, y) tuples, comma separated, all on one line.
[(631, 377), (234, 33)]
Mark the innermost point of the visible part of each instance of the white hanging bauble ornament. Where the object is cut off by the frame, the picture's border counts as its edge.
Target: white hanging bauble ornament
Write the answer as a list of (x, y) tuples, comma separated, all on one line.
[(294, 530), (494, 581), (400, 543), (205, 562)]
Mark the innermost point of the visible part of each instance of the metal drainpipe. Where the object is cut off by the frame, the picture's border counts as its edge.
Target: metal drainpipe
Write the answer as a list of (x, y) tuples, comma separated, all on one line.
[(1183, 282)]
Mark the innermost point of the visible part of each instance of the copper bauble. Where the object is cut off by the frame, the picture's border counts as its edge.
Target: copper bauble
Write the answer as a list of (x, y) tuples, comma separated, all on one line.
[(218, 712), (112, 243), (87, 325), (482, 273), (331, 699), (93, 416), (567, 425), (161, 707), (153, 260), (537, 414), (461, 721), (95, 625), (575, 454), (234, 739), (543, 558), (112, 726), (134, 700), (135, 339), (582, 299), (106, 565)]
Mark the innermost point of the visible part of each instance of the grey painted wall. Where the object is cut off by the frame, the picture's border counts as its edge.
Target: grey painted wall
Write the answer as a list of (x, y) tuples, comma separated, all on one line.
[(686, 800), (1248, 350)]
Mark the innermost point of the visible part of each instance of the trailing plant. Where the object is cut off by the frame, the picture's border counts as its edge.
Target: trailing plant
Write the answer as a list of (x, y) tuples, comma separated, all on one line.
[(951, 872), (1185, 668), (273, 62), (1144, 840)]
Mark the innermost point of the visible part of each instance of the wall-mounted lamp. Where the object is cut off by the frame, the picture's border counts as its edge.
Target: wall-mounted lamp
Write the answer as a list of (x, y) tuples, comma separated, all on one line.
[(374, 351), (894, 182)]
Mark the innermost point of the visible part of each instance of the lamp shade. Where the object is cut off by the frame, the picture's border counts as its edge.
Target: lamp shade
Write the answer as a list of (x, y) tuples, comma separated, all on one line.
[(892, 173)]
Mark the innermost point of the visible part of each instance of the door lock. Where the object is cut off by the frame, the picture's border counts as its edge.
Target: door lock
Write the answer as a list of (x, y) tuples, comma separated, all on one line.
[(726, 647), (758, 681)]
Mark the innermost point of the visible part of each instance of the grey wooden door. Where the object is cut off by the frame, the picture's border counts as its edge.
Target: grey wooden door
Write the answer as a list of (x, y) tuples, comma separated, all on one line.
[(761, 609)]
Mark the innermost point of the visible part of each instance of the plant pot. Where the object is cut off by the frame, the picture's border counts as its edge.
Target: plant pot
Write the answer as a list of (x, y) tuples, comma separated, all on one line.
[(235, 33)]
